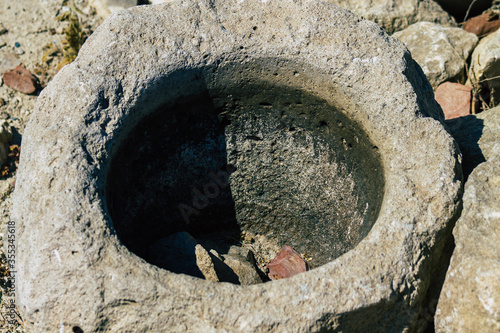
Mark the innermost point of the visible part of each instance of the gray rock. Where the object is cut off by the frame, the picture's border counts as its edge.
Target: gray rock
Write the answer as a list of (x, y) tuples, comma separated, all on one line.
[(477, 137), (441, 52), (396, 15), (242, 262), (484, 72), (205, 264), (470, 298), (312, 102)]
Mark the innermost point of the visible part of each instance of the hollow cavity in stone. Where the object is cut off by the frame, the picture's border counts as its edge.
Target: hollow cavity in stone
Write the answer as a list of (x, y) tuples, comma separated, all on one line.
[(274, 162)]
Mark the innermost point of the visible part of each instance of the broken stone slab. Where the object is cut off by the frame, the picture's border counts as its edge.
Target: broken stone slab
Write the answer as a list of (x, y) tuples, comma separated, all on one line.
[(484, 72), (477, 137), (330, 72), (396, 15), (287, 263), (241, 260), (470, 298), (205, 264), (455, 99), (441, 52)]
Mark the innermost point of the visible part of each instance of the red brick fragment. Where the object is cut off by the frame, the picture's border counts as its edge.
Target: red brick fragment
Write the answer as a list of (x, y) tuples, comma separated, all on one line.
[(483, 24), (287, 262), (21, 80), (454, 98)]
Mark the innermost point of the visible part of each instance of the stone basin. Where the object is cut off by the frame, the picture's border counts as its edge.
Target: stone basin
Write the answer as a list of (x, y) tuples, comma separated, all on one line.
[(297, 121)]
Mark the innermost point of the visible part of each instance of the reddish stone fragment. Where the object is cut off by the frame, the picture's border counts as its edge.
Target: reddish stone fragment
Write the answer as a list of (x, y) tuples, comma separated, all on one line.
[(455, 99), (483, 24), (287, 262), (21, 80)]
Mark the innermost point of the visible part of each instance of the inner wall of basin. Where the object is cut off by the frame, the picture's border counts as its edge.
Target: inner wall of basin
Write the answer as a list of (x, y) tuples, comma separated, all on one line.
[(271, 161)]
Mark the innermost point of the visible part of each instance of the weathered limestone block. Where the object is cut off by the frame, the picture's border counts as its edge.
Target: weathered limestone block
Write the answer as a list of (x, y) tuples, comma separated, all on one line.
[(484, 72), (295, 121), (441, 52), (470, 298)]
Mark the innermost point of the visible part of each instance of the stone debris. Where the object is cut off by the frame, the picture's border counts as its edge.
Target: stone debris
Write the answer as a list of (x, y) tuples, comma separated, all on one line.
[(205, 264), (441, 52), (242, 261), (455, 99), (180, 253), (21, 80), (287, 263), (483, 24)]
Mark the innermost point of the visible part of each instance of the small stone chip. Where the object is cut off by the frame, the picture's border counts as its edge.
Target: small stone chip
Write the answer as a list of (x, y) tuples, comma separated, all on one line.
[(21, 80), (483, 24), (287, 263)]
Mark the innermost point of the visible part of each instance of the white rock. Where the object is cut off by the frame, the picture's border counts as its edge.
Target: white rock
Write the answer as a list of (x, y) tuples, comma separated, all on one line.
[(484, 72), (441, 52)]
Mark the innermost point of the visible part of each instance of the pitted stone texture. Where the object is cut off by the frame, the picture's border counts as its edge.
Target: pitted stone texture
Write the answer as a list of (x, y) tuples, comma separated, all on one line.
[(396, 15), (441, 52), (470, 298), (77, 273)]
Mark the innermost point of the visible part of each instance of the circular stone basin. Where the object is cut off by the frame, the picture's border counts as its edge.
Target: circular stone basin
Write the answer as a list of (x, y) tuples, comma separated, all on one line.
[(263, 159), (295, 121)]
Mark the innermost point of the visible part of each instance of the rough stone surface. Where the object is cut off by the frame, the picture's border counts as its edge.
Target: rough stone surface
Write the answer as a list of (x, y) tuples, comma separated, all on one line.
[(483, 24), (21, 79), (339, 74), (484, 71), (396, 15), (287, 263), (441, 52), (454, 99), (477, 137), (242, 262), (470, 298), (205, 264)]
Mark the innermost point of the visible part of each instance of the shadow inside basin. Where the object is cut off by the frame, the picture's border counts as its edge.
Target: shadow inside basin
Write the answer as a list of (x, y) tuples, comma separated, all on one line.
[(279, 163)]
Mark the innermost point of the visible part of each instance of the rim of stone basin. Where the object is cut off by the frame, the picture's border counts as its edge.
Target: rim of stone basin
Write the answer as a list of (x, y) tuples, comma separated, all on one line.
[(73, 270)]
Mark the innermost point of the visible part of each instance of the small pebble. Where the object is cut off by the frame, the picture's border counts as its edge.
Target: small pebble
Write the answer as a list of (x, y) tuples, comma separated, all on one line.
[(16, 44), (287, 263), (21, 80)]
